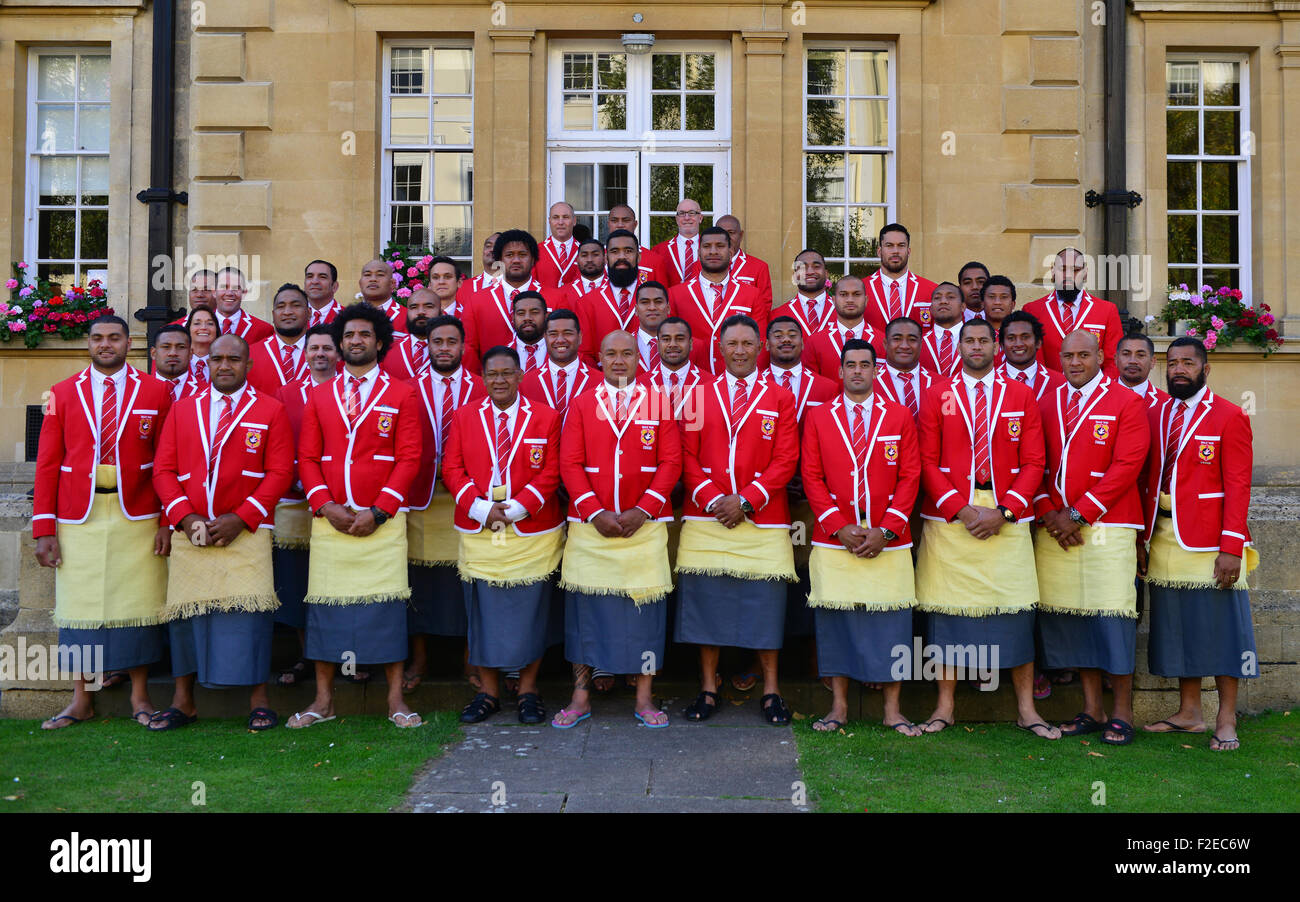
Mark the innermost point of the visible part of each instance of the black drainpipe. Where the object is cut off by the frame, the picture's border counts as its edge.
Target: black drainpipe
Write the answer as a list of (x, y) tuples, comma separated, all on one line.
[(159, 195)]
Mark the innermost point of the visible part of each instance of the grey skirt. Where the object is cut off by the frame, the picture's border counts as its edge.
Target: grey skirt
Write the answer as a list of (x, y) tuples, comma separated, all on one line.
[(289, 567), (1084, 640), (1200, 633), (124, 647), (223, 648), (729, 611), (610, 633), (1012, 635), (437, 601), (798, 616), (507, 625), (859, 644), (370, 633)]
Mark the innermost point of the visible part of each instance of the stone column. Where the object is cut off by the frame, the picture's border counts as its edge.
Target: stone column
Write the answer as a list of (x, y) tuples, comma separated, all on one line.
[(763, 123), (510, 128), (1289, 144), (33, 626)]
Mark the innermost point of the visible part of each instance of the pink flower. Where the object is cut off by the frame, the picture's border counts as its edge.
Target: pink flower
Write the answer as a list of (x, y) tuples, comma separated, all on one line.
[(427, 259), (403, 292), (24, 291), (1191, 332), (22, 265), (1217, 323), (412, 273), (1266, 319), (11, 284), (17, 326), (397, 278), (1224, 291), (1211, 339), (1197, 300)]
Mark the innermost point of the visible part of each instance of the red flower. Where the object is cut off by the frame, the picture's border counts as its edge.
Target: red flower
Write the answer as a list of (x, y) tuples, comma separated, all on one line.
[(1271, 335), (96, 292), (50, 327), (56, 302)]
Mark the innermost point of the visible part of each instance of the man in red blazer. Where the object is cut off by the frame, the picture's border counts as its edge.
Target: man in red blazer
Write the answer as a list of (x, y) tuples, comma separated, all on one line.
[(734, 555), (649, 264), (1020, 338), (281, 359), (901, 378), (93, 466), (862, 472), (1196, 505), (228, 304), (1071, 307), (502, 468), (785, 345), (171, 362), (611, 306), (678, 376), (1134, 356), (320, 282), (812, 305), (565, 375), (481, 282), (591, 274), (746, 269), (680, 255), (970, 279), (894, 290), (822, 349), (357, 458), (409, 357), (982, 463), (378, 286), (443, 280), (1091, 510), (939, 354), (652, 309), (488, 314), (999, 294), (710, 298), (225, 458), (557, 260)]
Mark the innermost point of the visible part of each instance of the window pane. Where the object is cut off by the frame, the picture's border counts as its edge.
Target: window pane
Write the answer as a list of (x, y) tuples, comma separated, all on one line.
[(56, 234), (1219, 278), (666, 72), (453, 119), (1218, 186), (1181, 83), (54, 77), (868, 123), (869, 72), (409, 226), (452, 70), (94, 78), (611, 71), (410, 70), (94, 181), (60, 274), (866, 178), (1180, 132), (665, 189), (825, 179), (58, 181), (453, 177), (1219, 239), (577, 112), (699, 71), (409, 120), (410, 176), (613, 186), (451, 230), (834, 267), (863, 270), (825, 122), (1222, 129), (94, 234), (611, 112), (825, 229), (94, 127), (665, 111), (577, 72), (54, 129), (826, 71), (699, 112), (865, 224), (1182, 186), (579, 185), (1180, 276), (1222, 84), (1182, 239), (699, 186), (662, 227)]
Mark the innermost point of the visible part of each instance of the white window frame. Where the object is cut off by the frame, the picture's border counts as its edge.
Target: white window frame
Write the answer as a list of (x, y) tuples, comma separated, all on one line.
[(388, 148), (1245, 248), (32, 207), (890, 152)]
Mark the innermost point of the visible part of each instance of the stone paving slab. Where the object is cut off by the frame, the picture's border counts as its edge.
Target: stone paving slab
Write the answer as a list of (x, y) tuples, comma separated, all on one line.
[(586, 802)]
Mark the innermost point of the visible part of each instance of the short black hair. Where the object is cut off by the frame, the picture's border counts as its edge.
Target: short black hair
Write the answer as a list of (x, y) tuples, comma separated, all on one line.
[(1187, 341), (998, 280), (446, 319), (857, 344), (320, 329), (1020, 316), (117, 321), (715, 230), (784, 319), (586, 241), (899, 320), (289, 286), (563, 313), (957, 288), (172, 327), (443, 258), (652, 283), (622, 233), (513, 236), (977, 321), (334, 270), (527, 294), (973, 264), (894, 227), (1138, 336), (674, 321), (811, 250), (738, 319), (500, 351), (375, 316), (581, 231)]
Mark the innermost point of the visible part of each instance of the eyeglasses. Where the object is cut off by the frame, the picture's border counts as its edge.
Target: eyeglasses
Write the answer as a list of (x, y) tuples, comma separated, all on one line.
[(689, 212)]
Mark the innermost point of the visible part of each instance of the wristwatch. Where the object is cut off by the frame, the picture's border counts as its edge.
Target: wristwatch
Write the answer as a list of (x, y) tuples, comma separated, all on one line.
[(380, 516), (746, 506), (1077, 517), (889, 534), (1006, 513)]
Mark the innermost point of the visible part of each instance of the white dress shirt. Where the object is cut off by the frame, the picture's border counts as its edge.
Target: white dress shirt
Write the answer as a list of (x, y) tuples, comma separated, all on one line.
[(570, 375), (1031, 372), (539, 353), (706, 287), (214, 409), (897, 384), (97, 390), (1140, 389), (969, 381), (438, 387), (796, 375), (481, 507)]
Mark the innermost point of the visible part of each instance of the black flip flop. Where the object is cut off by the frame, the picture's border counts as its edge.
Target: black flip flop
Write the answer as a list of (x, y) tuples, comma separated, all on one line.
[(59, 717), (777, 713), (1173, 728), (149, 714), (901, 723), (1215, 737), (1083, 725), (1030, 728), (172, 719), (822, 720), (262, 714), (946, 725), (701, 709), (1122, 727)]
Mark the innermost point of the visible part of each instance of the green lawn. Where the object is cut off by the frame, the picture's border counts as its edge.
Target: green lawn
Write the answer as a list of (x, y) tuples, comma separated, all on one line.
[(113, 764), (996, 767)]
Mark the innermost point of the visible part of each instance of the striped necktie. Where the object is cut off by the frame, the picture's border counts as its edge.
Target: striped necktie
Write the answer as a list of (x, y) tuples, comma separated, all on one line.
[(1072, 413), (1172, 440), (983, 466), (858, 435), (503, 446), (448, 408), (224, 422), (286, 363), (562, 393), (895, 304), (909, 395), (739, 401), (108, 423), (352, 401)]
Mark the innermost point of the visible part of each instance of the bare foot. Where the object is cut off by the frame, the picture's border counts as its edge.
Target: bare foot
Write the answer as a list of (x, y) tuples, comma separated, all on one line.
[(904, 726), (831, 722), (68, 717), (311, 716), (405, 718), (1176, 723), (1225, 738)]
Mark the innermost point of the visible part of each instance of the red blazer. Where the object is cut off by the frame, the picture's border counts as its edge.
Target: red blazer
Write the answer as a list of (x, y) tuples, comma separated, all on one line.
[(399, 362), (571, 295), (189, 386), (699, 355), (429, 387), (651, 266), (757, 463), (598, 314), (294, 398), (369, 465), (1154, 396), (822, 349), (250, 328), (795, 307), (1210, 484), (687, 301), (332, 309), (1098, 316), (610, 466), (265, 374), (915, 295), (753, 272), (466, 290), (69, 450), (539, 388), (554, 269), (254, 464), (947, 448), (487, 320), (532, 469), (814, 390), (694, 382), (673, 267), (1045, 381), (930, 355), (1095, 470), (395, 312), (832, 477), (884, 383)]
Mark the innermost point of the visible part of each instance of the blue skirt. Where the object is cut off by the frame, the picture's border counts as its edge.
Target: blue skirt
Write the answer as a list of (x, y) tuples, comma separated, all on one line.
[(798, 616), (1011, 634), (859, 644), (124, 646), (729, 611), (289, 566), (372, 633), (555, 633), (1201, 633), (224, 648), (437, 601), (611, 633), (507, 626), (1083, 640)]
